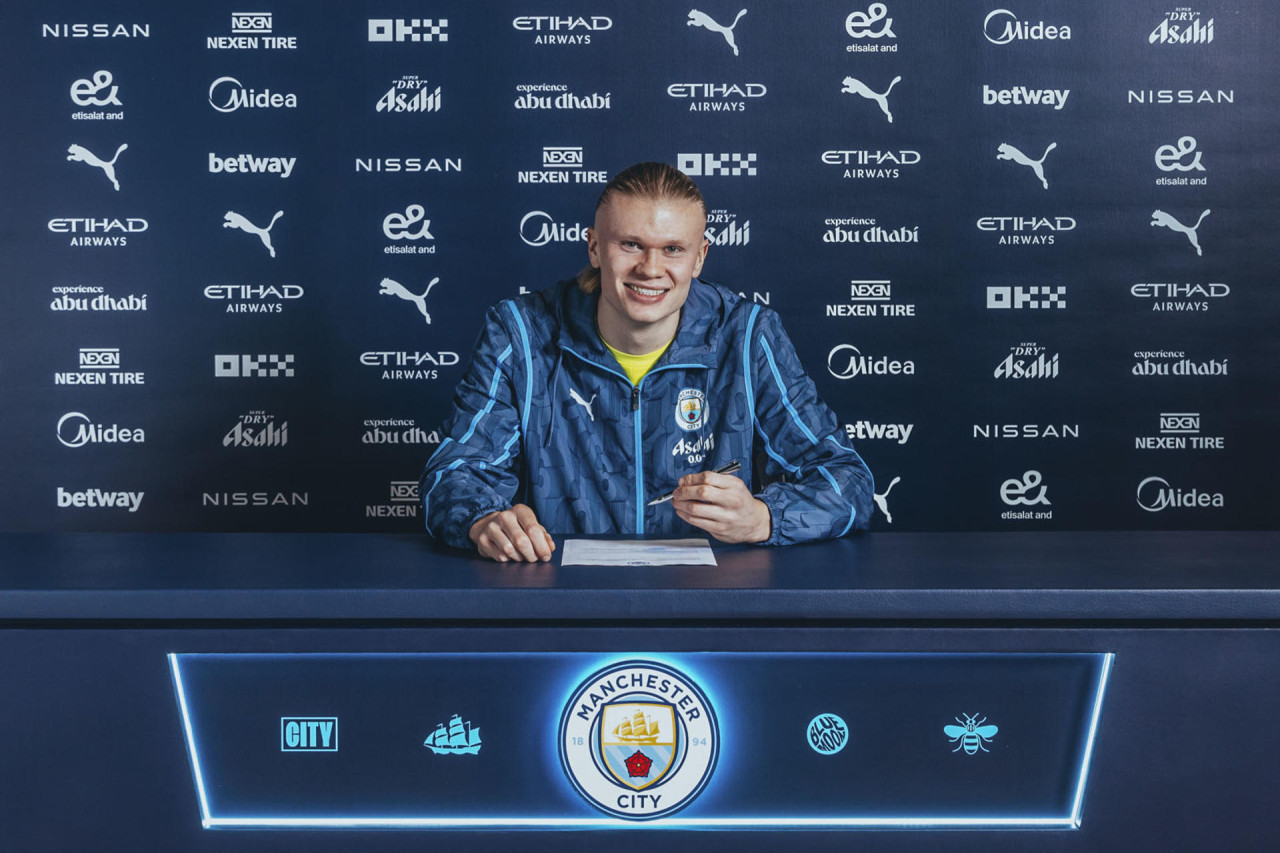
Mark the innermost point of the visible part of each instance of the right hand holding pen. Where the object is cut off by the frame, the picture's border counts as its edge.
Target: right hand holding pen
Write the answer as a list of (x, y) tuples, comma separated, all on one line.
[(512, 534)]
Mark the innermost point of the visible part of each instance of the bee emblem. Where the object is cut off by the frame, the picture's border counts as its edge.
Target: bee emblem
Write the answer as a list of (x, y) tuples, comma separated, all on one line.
[(971, 734)]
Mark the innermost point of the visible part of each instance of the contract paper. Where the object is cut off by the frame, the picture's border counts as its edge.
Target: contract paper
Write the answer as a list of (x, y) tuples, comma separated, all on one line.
[(637, 552)]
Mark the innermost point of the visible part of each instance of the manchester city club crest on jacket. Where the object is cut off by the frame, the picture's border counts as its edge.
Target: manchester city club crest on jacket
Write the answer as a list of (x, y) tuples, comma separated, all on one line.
[(691, 409), (639, 740)]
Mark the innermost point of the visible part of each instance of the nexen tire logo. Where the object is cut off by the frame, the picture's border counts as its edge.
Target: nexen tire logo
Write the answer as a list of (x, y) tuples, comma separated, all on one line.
[(537, 228)]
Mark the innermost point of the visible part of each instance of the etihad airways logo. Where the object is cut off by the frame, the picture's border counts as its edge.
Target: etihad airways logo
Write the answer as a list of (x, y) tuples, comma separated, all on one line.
[(1002, 27), (566, 30), (86, 231), (717, 97), (876, 164), (253, 298), (1026, 230), (227, 94), (1180, 296)]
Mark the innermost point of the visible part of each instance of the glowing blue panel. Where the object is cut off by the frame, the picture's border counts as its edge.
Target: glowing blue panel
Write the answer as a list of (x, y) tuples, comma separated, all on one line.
[(700, 740)]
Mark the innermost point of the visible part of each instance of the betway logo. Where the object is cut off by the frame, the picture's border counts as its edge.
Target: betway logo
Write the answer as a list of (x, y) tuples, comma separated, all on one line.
[(97, 498), (248, 163), (867, 431), (1024, 96)]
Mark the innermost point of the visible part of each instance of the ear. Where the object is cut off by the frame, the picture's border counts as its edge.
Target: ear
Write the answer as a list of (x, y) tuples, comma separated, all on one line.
[(702, 257), (593, 248)]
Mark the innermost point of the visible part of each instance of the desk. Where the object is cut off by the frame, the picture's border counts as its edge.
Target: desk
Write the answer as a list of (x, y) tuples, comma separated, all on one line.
[(1188, 749)]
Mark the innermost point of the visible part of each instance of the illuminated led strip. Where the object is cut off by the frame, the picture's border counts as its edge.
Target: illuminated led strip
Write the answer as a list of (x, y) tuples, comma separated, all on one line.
[(1071, 821)]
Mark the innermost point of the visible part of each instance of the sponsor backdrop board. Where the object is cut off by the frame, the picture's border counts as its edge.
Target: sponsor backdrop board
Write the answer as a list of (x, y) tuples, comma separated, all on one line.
[(1025, 250)]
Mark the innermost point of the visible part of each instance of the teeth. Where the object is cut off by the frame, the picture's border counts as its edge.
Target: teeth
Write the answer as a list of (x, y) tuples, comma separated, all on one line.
[(645, 291)]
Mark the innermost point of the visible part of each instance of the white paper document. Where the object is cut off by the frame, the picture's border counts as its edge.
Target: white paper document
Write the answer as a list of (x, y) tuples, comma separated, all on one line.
[(637, 552)]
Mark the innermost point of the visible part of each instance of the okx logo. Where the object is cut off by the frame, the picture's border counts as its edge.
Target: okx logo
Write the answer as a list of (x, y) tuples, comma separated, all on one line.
[(639, 739)]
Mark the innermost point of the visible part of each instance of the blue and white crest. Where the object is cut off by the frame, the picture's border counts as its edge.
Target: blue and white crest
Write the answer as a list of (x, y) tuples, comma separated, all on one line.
[(639, 740), (691, 409)]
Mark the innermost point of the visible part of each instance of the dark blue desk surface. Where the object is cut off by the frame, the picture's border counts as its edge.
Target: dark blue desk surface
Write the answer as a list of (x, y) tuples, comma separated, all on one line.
[(365, 577)]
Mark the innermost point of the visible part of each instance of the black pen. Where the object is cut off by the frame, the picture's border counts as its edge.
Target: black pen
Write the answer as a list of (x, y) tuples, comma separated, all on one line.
[(733, 466)]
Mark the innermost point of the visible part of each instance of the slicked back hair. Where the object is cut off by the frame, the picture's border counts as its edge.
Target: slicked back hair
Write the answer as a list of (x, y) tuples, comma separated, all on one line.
[(658, 181)]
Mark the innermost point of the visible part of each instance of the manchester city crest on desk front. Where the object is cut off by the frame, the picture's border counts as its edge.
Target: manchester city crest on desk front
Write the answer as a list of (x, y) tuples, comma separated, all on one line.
[(639, 740)]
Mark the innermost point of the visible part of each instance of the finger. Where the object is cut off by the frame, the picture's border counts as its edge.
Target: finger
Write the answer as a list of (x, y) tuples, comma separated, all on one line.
[(497, 542), (708, 512), (522, 545), (542, 543)]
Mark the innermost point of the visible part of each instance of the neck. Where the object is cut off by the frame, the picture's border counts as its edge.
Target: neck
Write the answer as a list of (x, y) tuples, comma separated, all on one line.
[(636, 340)]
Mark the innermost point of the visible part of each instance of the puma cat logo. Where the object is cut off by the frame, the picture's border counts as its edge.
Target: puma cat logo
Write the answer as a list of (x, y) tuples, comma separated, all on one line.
[(235, 220), (702, 19), (1008, 152), (854, 86), (80, 154), (1159, 217), (388, 287)]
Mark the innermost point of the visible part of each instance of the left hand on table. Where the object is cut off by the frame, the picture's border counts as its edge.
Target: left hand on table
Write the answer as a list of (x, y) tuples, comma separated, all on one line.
[(721, 505)]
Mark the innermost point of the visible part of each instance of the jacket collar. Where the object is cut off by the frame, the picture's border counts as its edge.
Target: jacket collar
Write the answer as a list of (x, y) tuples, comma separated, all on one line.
[(701, 319)]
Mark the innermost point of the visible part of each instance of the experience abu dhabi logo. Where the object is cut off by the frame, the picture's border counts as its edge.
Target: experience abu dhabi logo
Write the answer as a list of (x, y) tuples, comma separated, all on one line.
[(639, 739)]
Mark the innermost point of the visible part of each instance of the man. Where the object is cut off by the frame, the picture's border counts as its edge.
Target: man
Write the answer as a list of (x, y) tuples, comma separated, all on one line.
[(585, 402)]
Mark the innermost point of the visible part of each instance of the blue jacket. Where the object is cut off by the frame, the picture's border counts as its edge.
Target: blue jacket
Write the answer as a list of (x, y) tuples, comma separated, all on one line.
[(545, 416)]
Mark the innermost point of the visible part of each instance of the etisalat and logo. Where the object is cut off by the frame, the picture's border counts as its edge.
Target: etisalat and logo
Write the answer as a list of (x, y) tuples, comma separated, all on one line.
[(558, 96), (80, 154), (561, 30), (402, 501), (76, 429), (1156, 494), (406, 365), (877, 164), (257, 429), (717, 165), (1001, 26), (408, 30), (871, 30), (1027, 360), (1026, 230), (410, 232), (1179, 431), (253, 298), (724, 229), (711, 25), (397, 431), (92, 297), (228, 94), (391, 287), (1182, 26), (251, 31), (865, 229), (410, 94), (871, 298), (539, 228), (98, 90), (1035, 297), (1005, 151), (1184, 157), (1176, 363), (1180, 296), (845, 361), (639, 739), (105, 233), (100, 366), (562, 164), (1026, 491), (716, 97)]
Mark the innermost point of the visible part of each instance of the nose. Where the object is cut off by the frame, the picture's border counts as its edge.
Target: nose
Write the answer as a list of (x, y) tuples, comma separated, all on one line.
[(650, 264)]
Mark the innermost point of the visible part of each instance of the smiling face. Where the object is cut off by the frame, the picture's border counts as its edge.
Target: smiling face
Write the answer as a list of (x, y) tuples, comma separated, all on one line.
[(648, 250)]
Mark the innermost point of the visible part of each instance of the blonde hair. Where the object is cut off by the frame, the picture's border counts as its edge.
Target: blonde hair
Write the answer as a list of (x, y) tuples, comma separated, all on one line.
[(644, 180)]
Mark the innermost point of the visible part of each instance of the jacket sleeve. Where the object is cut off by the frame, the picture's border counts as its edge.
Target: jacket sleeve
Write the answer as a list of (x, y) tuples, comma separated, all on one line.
[(474, 471), (824, 489)]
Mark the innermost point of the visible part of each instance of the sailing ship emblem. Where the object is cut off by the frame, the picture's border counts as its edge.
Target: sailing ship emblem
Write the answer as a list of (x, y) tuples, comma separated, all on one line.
[(457, 738), (638, 741)]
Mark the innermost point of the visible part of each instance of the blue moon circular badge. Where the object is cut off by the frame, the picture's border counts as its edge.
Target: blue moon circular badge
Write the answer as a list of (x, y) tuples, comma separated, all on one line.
[(639, 740)]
